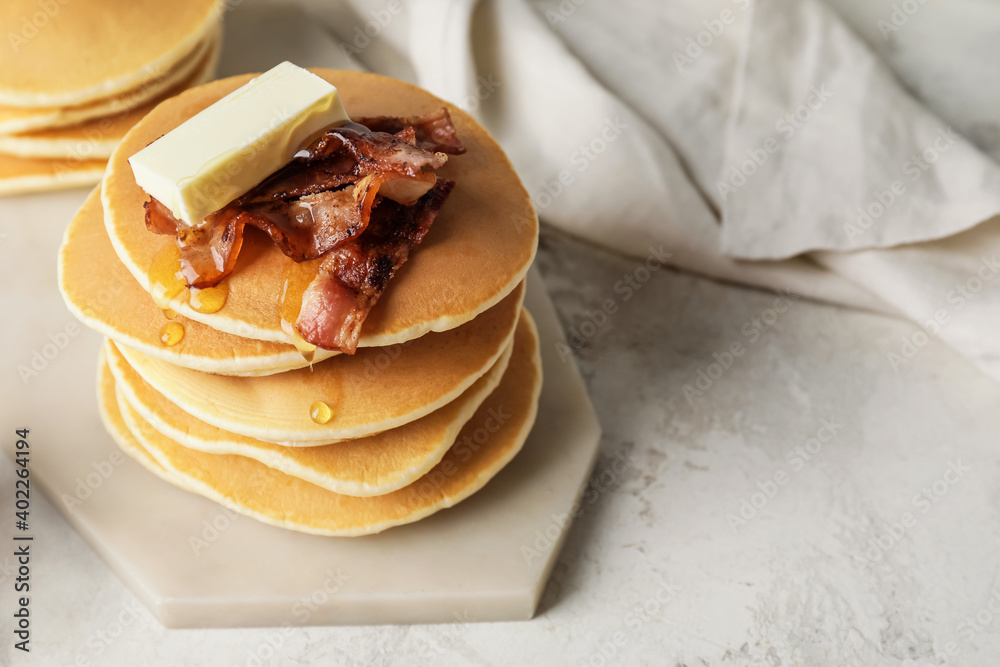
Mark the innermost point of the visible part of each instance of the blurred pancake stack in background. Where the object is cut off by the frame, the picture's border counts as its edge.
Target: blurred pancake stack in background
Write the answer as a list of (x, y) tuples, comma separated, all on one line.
[(75, 75)]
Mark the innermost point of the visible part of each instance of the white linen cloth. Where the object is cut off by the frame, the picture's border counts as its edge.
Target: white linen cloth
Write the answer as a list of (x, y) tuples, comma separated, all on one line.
[(621, 118)]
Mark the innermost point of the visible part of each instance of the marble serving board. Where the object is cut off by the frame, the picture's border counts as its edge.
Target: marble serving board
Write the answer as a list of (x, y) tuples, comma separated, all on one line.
[(195, 564)]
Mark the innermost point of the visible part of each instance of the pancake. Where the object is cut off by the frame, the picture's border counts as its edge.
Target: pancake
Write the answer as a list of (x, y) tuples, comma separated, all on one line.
[(98, 137), (101, 293), (367, 393), (26, 119), (19, 175), (476, 252), (370, 466), (72, 52), (252, 488)]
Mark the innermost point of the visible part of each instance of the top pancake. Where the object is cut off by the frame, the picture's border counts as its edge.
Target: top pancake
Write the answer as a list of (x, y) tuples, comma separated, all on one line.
[(67, 52), (476, 252)]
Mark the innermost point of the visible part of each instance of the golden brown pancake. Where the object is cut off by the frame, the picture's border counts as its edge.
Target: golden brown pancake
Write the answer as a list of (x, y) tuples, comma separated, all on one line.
[(20, 175), (68, 53), (370, 466), (476, 252), (367, 393), (99, 290), (98, 137), (26, 119), (252, 488)]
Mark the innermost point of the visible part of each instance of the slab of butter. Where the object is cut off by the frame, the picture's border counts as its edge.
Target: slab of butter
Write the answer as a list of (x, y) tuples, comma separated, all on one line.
[(224, 151)]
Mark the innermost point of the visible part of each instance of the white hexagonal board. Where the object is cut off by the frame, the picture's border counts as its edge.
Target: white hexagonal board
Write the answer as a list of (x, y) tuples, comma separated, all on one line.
[(195, 564)]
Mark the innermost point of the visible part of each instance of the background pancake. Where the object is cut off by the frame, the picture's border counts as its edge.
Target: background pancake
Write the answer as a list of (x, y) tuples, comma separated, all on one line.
[(370, 466), (251, 488), (478, 249), (87, 49), (367, 393), (25, 119), (98, 137), (20, 175)]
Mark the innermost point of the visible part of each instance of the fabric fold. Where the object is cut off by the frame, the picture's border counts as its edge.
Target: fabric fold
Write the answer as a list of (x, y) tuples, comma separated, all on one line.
[(826, 151)]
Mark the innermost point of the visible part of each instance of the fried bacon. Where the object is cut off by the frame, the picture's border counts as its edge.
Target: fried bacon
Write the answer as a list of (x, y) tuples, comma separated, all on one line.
[(353, 275), (433, 132), (360, 196)]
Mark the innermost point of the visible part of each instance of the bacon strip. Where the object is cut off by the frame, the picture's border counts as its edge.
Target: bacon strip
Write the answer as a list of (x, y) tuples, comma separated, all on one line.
[(378, 172), (303, 229), (434, 132), (353, 275)]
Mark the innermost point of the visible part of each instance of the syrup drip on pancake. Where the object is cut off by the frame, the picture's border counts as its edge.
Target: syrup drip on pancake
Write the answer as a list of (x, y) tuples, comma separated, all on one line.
[(320, 412), (209, 299), (171, 333), (166, 284), (350, 206)]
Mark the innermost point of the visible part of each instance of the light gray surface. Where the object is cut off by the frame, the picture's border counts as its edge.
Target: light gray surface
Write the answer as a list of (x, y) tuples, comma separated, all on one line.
[(789, 585)]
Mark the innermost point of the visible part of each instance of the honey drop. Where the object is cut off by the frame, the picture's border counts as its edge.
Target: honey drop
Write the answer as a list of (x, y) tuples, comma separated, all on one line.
[(320, 412), (305, 348), (209, 299), (166, 282), (171, 333), (296, 277)]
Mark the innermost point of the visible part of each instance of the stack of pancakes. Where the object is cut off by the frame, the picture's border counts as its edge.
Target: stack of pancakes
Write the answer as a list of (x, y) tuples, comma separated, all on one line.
[(213, 391), (77, 74)]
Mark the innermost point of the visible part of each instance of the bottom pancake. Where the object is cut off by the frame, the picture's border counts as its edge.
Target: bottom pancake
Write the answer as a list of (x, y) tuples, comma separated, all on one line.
[(487, 442)]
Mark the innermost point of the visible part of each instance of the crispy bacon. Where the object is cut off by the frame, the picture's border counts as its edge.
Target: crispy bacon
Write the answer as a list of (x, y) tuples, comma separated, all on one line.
[(361, 195), (433, 132), (303, 228), (352, 276)]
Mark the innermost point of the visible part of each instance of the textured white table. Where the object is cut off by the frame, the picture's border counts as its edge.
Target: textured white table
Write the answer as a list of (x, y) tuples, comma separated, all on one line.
[(652, 572)]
